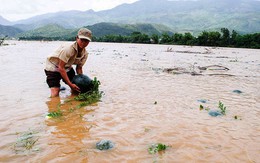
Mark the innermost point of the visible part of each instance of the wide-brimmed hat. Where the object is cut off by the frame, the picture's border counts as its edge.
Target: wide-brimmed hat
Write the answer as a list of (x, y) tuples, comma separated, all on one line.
[(85, 33)]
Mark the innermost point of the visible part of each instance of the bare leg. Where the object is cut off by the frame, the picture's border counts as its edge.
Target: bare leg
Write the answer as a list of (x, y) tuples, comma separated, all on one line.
[(55, 91)]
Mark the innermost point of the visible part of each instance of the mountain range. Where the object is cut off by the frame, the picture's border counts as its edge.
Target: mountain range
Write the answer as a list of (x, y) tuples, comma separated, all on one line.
[(192, 16)]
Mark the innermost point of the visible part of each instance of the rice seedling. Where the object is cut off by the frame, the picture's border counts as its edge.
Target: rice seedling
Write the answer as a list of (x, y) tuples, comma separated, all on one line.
[(222, 108)]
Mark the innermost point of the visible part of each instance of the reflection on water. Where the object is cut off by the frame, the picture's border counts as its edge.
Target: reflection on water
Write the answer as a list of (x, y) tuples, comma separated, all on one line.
[(70, 129), (143, 104)]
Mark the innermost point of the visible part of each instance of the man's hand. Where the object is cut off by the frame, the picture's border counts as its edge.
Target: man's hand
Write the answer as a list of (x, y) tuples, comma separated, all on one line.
[(75, 87)]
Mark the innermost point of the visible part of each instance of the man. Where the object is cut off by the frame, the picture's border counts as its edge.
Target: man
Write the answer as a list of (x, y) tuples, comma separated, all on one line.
[(59, 64)]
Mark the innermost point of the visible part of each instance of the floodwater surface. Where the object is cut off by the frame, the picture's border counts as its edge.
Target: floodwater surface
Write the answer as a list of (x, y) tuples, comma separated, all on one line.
[(151, 94)]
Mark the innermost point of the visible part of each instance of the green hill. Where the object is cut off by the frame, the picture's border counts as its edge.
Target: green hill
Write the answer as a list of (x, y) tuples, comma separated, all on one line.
[(102, 29), (51, 31), (9, 31), (56, 32)]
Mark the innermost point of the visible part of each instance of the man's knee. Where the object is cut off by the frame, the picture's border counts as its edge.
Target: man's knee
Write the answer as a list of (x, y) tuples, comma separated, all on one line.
[(55, 91)]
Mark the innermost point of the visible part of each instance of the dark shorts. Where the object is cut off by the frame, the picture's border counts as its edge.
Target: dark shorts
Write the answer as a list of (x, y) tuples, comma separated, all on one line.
[(53, 78)]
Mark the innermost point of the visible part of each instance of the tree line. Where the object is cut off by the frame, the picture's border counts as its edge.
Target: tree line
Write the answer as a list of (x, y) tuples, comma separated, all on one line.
[(225, 38)]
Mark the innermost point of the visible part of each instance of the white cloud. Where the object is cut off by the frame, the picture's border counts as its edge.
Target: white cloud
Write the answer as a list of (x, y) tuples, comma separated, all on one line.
[(16, 9)]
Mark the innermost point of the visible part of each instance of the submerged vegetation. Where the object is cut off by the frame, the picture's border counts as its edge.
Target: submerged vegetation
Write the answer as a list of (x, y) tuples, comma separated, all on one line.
[(26, 141)]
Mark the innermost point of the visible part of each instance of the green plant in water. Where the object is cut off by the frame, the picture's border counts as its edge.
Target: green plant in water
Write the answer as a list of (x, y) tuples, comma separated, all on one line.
[(95, 84), (222, 108), (55, 114), (154, 148)]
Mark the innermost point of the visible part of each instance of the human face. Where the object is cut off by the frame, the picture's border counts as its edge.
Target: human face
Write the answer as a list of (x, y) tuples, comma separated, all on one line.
[(82, 42)]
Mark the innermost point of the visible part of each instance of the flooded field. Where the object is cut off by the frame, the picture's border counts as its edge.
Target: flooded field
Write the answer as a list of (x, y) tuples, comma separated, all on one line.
[(152, 94)]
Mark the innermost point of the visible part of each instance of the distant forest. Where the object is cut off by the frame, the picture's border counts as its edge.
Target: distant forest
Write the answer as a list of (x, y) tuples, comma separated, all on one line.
[(224, 38)]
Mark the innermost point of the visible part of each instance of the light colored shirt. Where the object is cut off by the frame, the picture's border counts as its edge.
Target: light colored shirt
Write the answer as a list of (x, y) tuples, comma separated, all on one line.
[(69, 54)]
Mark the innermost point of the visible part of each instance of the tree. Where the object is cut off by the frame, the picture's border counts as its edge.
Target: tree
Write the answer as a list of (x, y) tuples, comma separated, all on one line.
[(203, 38), (233, 37), (138, 37), (166, 39), (188, 39), (155, 38), (225, 39), (177, 38), (213, 39)]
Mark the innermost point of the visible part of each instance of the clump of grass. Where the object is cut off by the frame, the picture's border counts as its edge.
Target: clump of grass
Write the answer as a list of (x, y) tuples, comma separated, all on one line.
[(222, 108), (154, 148)]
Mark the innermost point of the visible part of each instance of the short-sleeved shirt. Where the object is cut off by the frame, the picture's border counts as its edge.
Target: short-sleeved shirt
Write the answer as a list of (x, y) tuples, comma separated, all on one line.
[(68, 53)]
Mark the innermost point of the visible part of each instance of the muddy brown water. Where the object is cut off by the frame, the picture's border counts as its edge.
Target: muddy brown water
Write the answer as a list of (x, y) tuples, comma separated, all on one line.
[(142, 105)]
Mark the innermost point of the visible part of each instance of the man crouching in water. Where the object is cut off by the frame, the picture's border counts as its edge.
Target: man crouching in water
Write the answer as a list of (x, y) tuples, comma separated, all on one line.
[(59, 64)]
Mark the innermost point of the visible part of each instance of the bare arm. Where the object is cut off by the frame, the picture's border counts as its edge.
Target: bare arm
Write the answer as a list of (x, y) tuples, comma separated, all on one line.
[(64, 75)]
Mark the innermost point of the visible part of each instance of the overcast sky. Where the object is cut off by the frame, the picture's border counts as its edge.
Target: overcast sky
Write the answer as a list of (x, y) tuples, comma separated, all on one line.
[(13, 10)]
